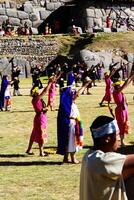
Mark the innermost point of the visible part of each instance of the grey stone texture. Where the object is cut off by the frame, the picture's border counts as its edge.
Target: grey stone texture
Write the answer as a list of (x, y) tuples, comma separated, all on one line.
[(28, 8), (13, 4), (23, 15), (26, 51), (44, 14), (38, 10), (3, 18), (36, 24), (93, 58), (29, 23), (2, 11), (11, 13), (33, 17), (14, 21)]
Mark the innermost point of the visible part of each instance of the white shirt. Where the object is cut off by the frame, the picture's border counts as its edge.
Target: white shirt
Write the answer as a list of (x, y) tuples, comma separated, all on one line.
[(101, 176)]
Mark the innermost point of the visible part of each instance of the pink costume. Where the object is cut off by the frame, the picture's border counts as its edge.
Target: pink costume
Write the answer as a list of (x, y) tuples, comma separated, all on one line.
[(52, 94), (121, 112), (108, 91), (39, 134)]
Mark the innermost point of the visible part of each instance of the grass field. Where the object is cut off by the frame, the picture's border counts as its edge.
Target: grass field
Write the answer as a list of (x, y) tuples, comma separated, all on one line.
[(26, 177)]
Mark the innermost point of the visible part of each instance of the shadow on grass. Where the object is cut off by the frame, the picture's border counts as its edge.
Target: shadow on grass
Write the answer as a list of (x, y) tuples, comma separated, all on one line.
[(18, 111), (30, 163), (11, 155)]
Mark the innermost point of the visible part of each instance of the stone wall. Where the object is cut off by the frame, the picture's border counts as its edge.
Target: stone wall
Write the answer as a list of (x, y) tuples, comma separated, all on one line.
[(27, 52), (93, 13), (84, 13)]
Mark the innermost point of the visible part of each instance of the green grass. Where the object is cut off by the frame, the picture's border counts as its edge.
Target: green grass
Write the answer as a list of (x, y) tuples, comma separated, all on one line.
[(35, 178), (120, 40)]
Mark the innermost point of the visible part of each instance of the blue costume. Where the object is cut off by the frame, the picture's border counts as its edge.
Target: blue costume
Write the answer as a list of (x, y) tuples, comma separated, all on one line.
[(63, 119), (71, 78), (4, 85)]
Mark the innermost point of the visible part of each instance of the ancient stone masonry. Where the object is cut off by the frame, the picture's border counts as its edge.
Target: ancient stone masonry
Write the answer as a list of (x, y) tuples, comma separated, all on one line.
[(26, 52), (118, 13), (25, 47), (85, 13)]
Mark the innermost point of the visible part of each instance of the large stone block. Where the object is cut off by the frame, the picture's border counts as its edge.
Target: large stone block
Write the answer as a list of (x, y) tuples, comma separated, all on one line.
[(50, 6), (42, 3), (108, 11), (7, 4), (57, 5), (105, 57), (103, 12), (13, 4), (29, 23), (33, 17), (23, 15), (113, 15), (34, 31), (36, 11), (14, 21), (90, 12), (90, 22), (90, 58), (3, 18), (35, 2), (11, 13), (132, 8), (37, 23), (98, 22), (28, 8), (129, 12), (44, 14), (98, 13), (2, 11)]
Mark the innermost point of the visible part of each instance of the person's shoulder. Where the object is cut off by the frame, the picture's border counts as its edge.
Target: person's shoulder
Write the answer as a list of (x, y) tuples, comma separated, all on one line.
[(93, 153), (98, 154), (111, 157)]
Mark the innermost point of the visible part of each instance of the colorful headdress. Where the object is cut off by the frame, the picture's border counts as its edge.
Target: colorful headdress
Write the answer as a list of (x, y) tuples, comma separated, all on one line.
[(34, 90), (119, 82), (106, 74)]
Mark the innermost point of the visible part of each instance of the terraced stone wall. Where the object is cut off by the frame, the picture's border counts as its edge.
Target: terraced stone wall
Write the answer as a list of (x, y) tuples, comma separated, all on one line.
[(27, 52)]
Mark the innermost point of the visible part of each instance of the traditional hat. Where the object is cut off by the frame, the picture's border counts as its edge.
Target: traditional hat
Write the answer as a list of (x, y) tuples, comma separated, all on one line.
[(106, 74), (34, 90), (119, 82)]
